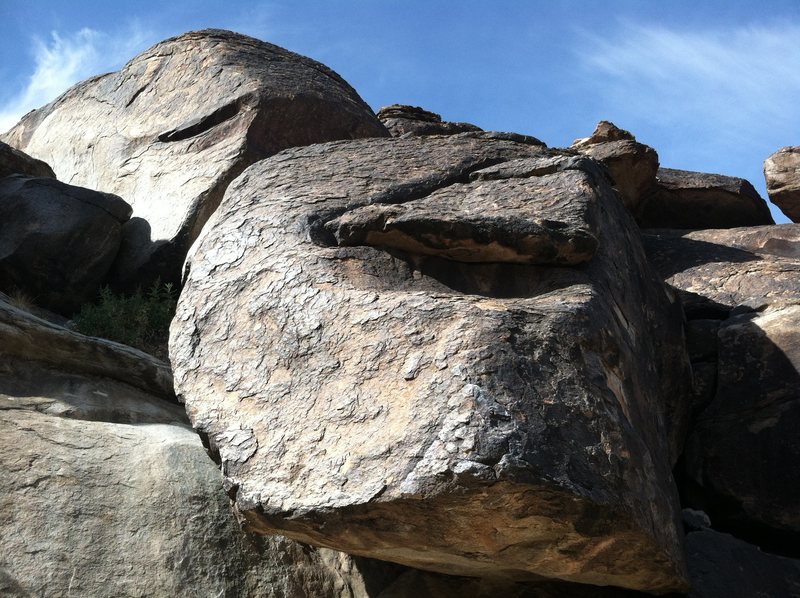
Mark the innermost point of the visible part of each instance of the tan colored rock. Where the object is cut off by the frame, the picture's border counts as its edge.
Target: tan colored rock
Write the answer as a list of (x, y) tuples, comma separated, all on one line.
[(411, 121), (13, 161), (171, 129), (485, 419), (697, 200), (782, 172), (632, 165), (107, 491)]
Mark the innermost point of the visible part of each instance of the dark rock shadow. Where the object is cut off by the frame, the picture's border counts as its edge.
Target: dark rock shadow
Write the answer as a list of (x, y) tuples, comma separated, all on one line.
[(670, 252)]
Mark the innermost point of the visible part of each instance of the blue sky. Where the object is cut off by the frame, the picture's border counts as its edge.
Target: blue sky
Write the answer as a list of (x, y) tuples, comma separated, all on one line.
[(712, 86)]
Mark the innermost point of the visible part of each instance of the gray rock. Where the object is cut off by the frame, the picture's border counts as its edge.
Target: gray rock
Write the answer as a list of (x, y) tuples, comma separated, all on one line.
[(57, 241), (412, 121), (497, 419), (107, 491), (721, 565), (782, 173), (13, 161), (698, 200), (171, 129), (632, 165)]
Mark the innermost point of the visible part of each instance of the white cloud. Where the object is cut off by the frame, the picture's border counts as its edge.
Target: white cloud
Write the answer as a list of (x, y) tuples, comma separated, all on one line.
[(745, 78), (63, 60)]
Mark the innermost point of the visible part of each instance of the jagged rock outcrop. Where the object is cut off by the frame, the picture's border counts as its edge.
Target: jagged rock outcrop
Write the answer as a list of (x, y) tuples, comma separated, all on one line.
[(632, 165), (412, 121), (743, 456), (107, 491), (13, 161), (57, 241), (484, 418), (782, 173), (699, 200), (171, 129)]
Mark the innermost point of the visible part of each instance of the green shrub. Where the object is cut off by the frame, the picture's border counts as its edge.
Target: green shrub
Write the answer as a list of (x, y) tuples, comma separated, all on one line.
[(140, 320)]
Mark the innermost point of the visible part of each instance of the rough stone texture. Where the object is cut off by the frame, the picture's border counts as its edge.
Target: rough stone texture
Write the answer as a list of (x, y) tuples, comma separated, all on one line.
[(782, 173), (633, 165), (744, 454), (412, 121), (491, 419), (107, 491), (57, 241), (721, 565), (171, 129), (698, 200), (13, 161)]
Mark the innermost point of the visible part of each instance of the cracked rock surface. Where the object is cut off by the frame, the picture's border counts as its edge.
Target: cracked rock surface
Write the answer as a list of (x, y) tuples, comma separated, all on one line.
[(107, 491), (175, 125), (402, 397), (782, 173)]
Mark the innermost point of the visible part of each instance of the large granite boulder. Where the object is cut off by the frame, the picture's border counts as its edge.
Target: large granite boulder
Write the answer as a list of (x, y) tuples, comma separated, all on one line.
[(632, 165), (463, 388), (697, 200), (57, 241), (107, 491), (13, 161), (171, 129), (412, 121), (782, 172), (743, 456)]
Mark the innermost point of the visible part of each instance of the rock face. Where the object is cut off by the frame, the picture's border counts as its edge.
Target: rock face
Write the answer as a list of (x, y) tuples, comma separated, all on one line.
[(479, 393), (698, 200), (412, 121), (171, 129), (782, 172), (57, 241), (13, 161), (632, 165), (743, 456), (106, 490)]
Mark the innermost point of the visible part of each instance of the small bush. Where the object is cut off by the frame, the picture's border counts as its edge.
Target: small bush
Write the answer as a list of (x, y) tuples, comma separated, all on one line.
[(140, 320)]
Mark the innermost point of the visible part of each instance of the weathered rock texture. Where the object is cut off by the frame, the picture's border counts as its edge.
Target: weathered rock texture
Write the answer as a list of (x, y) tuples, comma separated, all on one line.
[(479, 417), (107, 491), (743, 455), (782, 172), (57, 241), (13, 161), (171, 129), (698, 200), (412, 121), (632, 165)]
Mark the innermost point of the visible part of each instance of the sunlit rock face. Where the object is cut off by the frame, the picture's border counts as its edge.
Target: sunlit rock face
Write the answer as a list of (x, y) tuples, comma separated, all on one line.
[(447, 352), (172, 128)]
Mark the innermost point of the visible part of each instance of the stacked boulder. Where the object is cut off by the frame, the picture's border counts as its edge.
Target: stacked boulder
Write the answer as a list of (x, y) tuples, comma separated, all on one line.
[(429, 360)]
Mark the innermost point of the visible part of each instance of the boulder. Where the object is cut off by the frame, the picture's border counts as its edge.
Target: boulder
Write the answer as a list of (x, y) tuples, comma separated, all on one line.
[(412, 121), (171, 129), (698, 200), (721, 565), (13, 161), (743, 456), (57, 241), (632, 165), (107, 491), (425, 397), (782, 172)]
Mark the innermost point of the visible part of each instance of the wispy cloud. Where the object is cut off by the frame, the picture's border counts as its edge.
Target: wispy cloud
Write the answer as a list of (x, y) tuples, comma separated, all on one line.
[(740, 78), (63, 60)]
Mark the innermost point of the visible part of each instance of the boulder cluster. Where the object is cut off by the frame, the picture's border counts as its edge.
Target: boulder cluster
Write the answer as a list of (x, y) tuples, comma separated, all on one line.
[(409, 358)]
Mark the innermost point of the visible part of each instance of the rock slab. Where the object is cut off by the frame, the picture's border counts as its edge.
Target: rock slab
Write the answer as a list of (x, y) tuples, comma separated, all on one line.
[(481, 417), (175, 125)]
